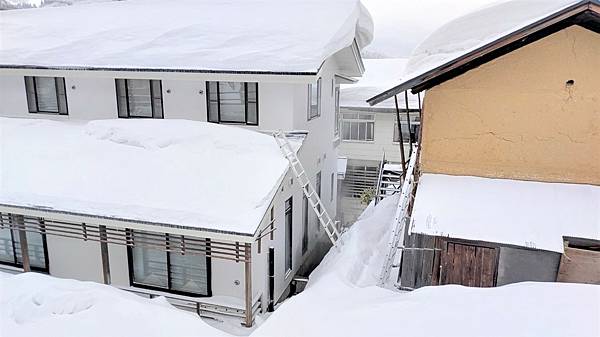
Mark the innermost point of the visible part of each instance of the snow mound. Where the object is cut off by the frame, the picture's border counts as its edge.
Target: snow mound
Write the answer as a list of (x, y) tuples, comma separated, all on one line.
[(162, 171), (38, 305), (475, 30), (250, 35), (340, 299)]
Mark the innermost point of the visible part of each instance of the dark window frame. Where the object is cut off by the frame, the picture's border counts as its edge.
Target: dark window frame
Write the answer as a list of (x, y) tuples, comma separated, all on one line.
[(305, 214), (132, 283), (36, 109), (319, 85), (16, 264), (127, 111), (289, 249), (219, 121)]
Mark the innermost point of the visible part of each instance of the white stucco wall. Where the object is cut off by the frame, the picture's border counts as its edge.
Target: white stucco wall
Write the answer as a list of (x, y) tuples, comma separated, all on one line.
[(382, 141), (282, 105)]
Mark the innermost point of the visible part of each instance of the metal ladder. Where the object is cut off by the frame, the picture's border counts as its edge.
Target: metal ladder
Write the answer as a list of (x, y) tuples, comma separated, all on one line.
[(401, 220), (313, 198)]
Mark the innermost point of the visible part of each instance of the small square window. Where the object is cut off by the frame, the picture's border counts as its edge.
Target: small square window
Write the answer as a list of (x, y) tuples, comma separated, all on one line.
[(46, 95)]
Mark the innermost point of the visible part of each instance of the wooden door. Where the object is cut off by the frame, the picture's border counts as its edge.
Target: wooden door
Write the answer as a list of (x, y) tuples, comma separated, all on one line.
[(468, 265)]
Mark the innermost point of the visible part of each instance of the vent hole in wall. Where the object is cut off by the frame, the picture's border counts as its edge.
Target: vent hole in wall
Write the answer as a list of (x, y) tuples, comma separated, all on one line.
[(570, 83)]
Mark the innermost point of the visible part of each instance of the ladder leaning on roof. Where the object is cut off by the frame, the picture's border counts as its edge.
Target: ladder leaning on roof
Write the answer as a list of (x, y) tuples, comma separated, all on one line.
[(401, 219), (313, 198)]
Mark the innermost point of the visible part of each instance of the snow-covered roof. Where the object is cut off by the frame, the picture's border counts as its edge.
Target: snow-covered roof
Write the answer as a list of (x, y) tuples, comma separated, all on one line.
[(273, 36), (380, 74), (521, 213), (471, 33), (172, 172)]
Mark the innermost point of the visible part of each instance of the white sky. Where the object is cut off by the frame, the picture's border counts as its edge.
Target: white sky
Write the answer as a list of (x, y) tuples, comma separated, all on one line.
[(400, 25)]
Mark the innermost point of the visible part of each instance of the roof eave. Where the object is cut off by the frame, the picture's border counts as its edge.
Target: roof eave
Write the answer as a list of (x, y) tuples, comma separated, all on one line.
[(427, 79)]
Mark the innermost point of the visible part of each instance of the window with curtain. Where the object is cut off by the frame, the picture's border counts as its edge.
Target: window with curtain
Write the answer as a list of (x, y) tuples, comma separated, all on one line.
[(314, 100), (46, 95), (232, 102), (153, 268), (10, 247), (358, 126), (139, 98)]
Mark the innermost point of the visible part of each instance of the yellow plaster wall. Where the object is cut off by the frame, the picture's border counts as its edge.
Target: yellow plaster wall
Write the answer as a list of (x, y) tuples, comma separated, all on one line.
[(515, 117)]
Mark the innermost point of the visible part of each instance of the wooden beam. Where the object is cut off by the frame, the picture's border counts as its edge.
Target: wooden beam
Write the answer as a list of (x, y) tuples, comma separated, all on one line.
[(249, 319), (401, 139), (23, 244), (104, 254)]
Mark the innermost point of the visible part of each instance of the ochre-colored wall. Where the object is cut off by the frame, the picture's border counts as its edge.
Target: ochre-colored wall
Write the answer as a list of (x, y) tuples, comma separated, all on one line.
[(516, 117)]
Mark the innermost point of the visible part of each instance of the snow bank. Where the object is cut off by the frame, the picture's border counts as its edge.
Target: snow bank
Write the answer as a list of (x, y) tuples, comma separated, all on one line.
[(166, 171), (38, 305), (380, 75), (341, 299), (250, 35), (475, 30), (522, 213)]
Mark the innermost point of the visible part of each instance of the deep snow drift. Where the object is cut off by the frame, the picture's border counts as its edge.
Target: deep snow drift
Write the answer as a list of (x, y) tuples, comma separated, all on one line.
[(250, 35), (161, 171), (341, 299), (38, 305)]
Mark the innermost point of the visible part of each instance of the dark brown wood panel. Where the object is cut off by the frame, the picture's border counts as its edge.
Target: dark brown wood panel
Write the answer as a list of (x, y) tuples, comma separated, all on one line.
[(468, 265)]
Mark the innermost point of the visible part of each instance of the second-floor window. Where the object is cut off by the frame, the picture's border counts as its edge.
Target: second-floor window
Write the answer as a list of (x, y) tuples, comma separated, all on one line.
[(46, 95), (232, 102), (314, 100), (139, 98), (358, 126)]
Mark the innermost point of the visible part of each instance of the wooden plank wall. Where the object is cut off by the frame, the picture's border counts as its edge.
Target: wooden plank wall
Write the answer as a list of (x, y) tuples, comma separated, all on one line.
[(420, 261), (579, 266)]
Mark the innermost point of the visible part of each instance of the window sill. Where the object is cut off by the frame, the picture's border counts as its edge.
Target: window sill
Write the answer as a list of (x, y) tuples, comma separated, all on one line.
[(47, 113), (359, 141)]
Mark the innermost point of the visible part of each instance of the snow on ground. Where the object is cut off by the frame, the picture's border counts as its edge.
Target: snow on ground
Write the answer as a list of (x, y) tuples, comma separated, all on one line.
[(341, 299), (33, 304), (474, 30), (250, 35), (522, 213), (380, 75), (165, 171)]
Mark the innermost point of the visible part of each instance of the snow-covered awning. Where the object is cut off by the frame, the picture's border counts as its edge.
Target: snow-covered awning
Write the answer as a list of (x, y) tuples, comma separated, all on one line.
[(264, 36), (523, 213), (168, 172)]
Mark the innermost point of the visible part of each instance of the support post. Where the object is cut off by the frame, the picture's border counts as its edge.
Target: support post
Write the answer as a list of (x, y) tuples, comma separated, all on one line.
[(410, 138), (104, 254), (401, 140), (271, 306), (249, 319), (23, 243)]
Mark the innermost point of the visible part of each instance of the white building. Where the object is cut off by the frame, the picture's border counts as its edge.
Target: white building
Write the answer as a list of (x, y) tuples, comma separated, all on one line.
[(210, 205), (369, 133)]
